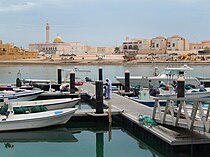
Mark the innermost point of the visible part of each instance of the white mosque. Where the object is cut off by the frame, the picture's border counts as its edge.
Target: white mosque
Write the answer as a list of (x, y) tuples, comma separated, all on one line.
[(57, 47)]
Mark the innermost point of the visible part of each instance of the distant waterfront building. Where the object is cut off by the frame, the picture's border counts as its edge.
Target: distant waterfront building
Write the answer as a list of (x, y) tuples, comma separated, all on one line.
[(177, 43), (11, 52), (57, 47), (108, 50), (158, 43), (200, 46), (136, 44)]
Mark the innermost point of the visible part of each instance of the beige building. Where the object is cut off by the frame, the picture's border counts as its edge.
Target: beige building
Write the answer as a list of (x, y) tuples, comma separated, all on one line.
[(90, 49), (108, 50), (158, 43), (200, 46), (58, 47), (136, 44), (177, 43), (11, 52)]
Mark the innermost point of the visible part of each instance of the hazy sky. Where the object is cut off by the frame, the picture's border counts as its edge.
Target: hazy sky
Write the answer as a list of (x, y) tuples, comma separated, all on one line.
[(103, 22)]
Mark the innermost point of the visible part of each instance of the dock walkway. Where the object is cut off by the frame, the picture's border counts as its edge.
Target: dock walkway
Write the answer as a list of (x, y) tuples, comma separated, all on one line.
[(131, 110)]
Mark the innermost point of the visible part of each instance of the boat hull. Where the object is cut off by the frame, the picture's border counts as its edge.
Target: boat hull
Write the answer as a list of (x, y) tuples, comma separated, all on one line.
[(51, 104), (36, 120), (149, 103), (144, 81), (26, 95)]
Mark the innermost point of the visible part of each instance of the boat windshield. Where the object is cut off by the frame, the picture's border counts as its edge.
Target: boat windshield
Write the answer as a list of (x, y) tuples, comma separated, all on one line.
[(175, 71)]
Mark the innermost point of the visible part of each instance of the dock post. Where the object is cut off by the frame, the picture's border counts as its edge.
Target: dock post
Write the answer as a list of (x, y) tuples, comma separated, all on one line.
[(181, 85), (100, 72), (59, 76), (72, 82), (99, 97), (127, 81)]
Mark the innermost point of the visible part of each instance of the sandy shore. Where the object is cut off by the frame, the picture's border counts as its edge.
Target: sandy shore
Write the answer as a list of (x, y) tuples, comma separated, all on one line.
[(96, 60)]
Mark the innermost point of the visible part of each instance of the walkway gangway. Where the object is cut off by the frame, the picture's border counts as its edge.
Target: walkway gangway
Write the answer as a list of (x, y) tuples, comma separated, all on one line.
[(192, 117)]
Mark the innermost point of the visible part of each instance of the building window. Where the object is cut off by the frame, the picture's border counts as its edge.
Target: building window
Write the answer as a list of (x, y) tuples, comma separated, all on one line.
[(157, 45), (125, 47), (173, 45)]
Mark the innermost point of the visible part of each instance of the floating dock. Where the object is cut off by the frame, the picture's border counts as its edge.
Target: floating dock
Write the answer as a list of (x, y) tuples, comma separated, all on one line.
[(173, 139)]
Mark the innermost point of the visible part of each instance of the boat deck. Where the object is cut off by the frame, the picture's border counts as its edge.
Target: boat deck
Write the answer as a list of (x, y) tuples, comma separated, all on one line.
[(132, 110)]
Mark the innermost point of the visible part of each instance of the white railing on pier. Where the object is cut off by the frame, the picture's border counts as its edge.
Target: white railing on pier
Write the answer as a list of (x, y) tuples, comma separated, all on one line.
[(177, 113)]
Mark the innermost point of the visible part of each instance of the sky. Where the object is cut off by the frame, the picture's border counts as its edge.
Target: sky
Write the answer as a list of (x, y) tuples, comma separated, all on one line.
[(102, 22)]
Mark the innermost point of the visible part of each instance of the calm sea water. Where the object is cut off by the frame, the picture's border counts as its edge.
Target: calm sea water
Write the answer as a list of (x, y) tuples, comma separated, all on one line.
[(84, 140), (8, 73)]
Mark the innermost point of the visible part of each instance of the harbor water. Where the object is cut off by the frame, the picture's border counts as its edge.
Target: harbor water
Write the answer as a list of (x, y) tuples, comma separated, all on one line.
[(8, 73), (83, 139)]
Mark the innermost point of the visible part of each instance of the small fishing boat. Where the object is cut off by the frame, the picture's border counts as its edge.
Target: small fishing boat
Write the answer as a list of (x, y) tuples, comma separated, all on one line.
[(146, 99), (130, 55), (31, 120), (20, 94), (50, 104), (168, 76)]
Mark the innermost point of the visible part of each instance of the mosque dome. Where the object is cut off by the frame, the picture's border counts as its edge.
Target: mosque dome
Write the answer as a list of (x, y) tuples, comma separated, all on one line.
[(57, 39)]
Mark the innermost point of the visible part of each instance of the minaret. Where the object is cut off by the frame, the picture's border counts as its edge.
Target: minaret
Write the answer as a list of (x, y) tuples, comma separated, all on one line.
[(47, 32)]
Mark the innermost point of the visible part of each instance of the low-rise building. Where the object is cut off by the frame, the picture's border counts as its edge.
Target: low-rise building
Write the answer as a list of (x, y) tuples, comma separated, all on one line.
[(136, 44), (11, 52), (158, 43), (200, 45), (58, 47), (109, 50), (177, 43)]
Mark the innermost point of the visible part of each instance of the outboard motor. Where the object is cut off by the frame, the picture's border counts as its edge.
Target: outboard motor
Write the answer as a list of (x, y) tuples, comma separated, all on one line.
[(87, 79)]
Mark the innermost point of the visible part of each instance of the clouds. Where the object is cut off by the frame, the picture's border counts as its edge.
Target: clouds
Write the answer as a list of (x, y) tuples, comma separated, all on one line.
[(22, 5), (14, 7), (102, 21)]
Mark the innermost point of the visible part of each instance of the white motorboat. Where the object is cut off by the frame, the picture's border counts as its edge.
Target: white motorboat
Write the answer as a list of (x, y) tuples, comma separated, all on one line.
[(145, 98), (11, 121), (168, 76), (20, 94), (50, 104), (188, 94)]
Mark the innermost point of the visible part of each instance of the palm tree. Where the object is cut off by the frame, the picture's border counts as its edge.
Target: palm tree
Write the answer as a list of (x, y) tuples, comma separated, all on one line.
[(117, 50)]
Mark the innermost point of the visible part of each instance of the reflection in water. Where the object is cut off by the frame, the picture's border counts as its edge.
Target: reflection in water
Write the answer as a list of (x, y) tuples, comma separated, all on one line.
[(8, 145), (42, 135), (99, 144)]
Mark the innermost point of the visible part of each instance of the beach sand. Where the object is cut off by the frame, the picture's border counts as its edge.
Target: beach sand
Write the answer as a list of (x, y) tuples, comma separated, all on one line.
[(94, 59)]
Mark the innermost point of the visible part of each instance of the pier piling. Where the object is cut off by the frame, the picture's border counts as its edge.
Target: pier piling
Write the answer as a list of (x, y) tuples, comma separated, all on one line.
[(181, 85), (72, 82), (59, 76), (99, 97), (100, 72), (127, 81)]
